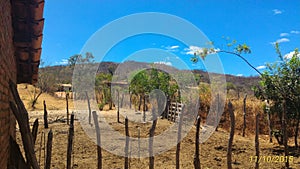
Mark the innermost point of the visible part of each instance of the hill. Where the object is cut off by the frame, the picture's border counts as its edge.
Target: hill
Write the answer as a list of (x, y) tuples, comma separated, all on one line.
[(63, 74)]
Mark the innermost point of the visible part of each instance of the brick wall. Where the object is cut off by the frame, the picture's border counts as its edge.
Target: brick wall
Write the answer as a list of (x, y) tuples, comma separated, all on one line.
[(7, 71)]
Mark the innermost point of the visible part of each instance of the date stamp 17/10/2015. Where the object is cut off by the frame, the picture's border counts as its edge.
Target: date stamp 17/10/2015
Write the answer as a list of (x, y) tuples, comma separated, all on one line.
[(271, 159)]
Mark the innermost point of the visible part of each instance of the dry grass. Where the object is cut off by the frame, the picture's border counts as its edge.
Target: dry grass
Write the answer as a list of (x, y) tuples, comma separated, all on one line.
[(213, 151), (26, 93)]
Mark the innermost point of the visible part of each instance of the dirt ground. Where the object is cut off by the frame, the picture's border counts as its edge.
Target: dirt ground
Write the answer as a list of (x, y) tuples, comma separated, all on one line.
[(212, 152)]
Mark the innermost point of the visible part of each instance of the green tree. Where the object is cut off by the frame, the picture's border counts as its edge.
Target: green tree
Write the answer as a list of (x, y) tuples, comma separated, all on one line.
[(103, 89), (280, 84)]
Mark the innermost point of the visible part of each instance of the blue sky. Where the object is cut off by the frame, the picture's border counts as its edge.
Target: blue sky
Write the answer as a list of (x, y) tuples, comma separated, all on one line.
[(70, 24)]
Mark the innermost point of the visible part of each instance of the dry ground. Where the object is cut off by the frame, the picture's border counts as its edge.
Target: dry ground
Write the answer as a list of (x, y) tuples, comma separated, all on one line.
[(213, 151)]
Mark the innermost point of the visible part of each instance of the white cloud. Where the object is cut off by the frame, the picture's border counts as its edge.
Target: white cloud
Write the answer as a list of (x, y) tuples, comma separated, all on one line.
[(290, 55), (193, 49), (239, 75), (295, 32), (261, 67), (163, 63), (284, 34), (174, 47), (281, 40), (196, 49), (62, 62), (277, 11)]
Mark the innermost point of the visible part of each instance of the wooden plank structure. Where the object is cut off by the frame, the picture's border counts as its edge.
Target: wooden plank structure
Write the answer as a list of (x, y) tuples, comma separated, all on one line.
[(175, 110)]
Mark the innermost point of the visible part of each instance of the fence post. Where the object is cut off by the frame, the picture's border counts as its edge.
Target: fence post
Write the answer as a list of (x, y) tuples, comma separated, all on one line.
[(232, 126), (35, 130), (151, 137), (118, 112), (49, 150), (257, 141), (21, 115), (126, 164), (218, 108), (70, 141), (244, 115), (196, 156), (45, 116), (89, 106), (67, 105), (99, 152), (180, 116)]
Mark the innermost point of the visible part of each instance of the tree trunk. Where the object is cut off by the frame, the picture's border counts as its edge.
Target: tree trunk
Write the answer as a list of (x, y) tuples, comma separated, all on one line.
[(197, 142), (126, 163), (130, 101), (269, 121), (140, 102), (98, 136), (144, 109), (284, 134), (297, 130), (45, 116), (232, 126), (35, 99), (122, 100), (257, 141), (49, 150), (244, 115)]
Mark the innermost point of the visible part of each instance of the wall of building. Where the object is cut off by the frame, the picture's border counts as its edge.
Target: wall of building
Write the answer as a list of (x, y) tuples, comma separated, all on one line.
[(7, 72)]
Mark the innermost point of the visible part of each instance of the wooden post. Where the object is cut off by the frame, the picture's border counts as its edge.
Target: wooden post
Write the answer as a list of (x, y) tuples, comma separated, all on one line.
[(44, 149), (70, 142), (218, 108), (126, 164), (232, 126), (197, 142), (35, 130), (118, 112), (180, 116), (67, 105), (99, 152), (151, 137), (89, 106), (244, 115), (22, 118), (139, 141), (45, 116), (40, 151), (49, 150), (257, 141)]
